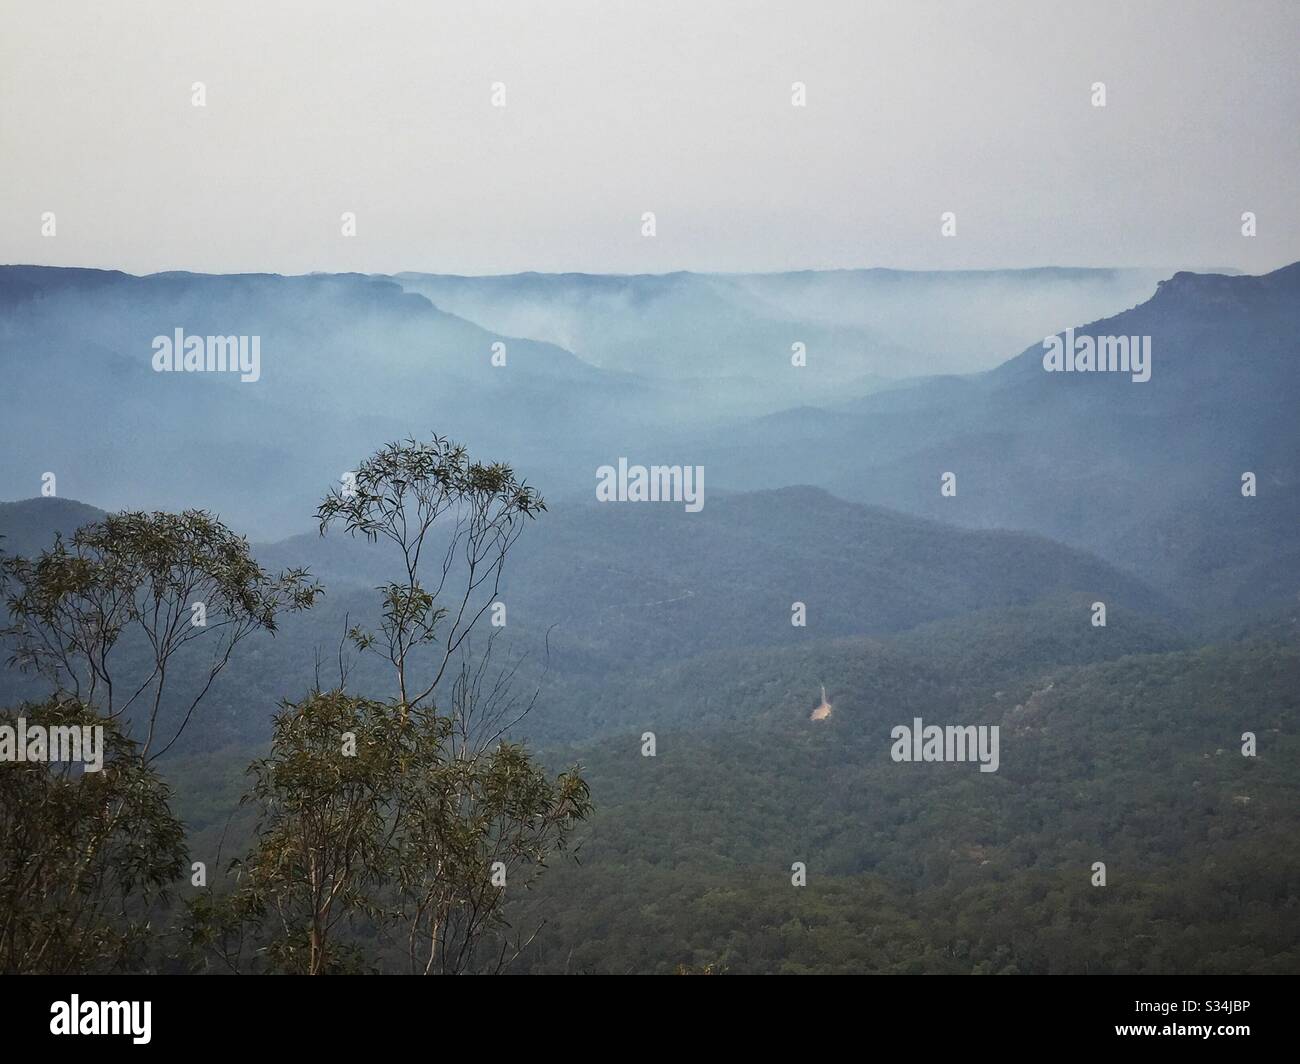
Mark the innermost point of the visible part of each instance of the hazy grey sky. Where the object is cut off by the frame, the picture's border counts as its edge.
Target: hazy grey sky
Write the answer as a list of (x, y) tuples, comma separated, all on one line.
[(614, 109)]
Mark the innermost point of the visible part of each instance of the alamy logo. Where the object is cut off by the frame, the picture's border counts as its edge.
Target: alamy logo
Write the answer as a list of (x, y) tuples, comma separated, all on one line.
[(102, 1017), (65, 742), (208, 354), (1098, 354), (956, 742), (684, 484)]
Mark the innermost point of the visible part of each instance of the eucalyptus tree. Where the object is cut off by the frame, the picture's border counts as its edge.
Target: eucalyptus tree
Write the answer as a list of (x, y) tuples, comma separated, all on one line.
[(104, 615), (452, 522), (325, 847), (471, 829), (410, 815), (116, 618), (86, 855), (469, 813), (366, 826)]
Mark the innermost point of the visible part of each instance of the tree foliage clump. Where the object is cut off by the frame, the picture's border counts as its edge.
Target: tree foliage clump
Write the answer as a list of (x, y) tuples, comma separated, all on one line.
[(85, 856)]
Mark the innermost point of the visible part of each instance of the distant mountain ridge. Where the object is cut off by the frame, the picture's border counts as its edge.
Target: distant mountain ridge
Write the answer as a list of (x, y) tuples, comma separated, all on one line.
[(880, 323), (1145, 475)]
